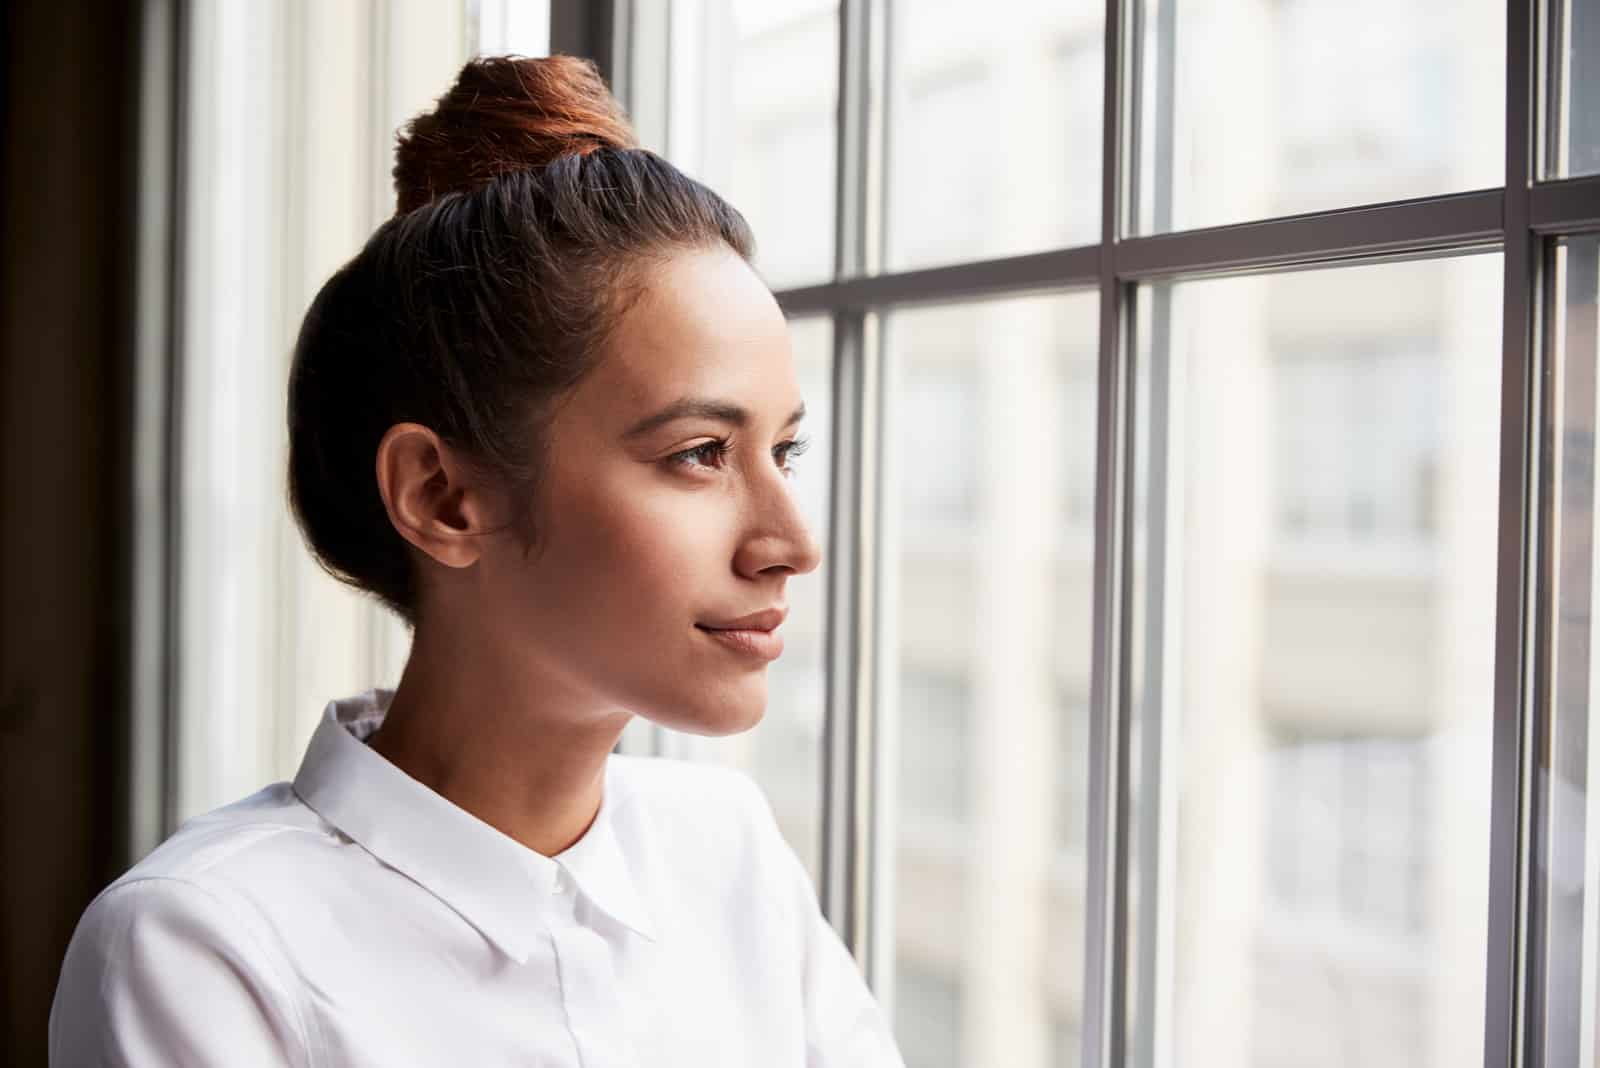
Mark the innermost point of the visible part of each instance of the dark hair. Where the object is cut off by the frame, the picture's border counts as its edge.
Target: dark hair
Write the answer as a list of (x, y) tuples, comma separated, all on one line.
[(526, 218)]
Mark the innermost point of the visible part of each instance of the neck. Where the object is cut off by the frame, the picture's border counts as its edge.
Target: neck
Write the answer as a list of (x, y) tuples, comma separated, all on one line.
[(499, 738)]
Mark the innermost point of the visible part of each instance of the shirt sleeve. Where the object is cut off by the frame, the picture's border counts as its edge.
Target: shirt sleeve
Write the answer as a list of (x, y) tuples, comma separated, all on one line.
[(845, 1025), (161, 972)]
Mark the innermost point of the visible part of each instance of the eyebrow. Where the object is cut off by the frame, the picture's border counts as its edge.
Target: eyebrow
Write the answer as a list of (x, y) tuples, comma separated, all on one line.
[(702, 408)]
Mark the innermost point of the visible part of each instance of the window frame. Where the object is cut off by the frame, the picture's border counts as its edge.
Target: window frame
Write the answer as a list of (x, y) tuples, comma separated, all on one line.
[(1523, 218)]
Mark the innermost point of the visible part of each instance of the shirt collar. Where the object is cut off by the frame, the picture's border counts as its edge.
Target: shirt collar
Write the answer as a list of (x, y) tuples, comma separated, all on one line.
[(494, 882)]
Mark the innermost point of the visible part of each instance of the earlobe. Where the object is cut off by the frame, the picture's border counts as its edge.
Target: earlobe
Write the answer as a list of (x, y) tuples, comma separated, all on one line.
[(426, 494)]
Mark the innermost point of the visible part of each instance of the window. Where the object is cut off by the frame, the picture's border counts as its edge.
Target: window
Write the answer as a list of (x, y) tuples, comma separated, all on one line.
[(988, 123), (751, 91), (1211, 551), (986, 618), (935, 770), (1573, 32), (1567, 864), (1272, 606), (1356, 444), (1252, 110), (1327, 712), (928, 1020), (290, 118)]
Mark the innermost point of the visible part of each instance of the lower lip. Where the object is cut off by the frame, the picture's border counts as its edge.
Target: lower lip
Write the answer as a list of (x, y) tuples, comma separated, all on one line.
[(761, 644)]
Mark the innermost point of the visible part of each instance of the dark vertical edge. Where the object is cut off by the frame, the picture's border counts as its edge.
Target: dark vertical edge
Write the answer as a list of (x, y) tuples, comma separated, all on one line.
[(589, 28), (1561, 754), (841, 844), (114, 623), (1549, 39), (1130, 143), (141, 776), (842, 652), (873, 914), (8, 16), (1570, 37), (1516, 674), (861, 25), (1105, 912), (171, 519), (1140, 824)]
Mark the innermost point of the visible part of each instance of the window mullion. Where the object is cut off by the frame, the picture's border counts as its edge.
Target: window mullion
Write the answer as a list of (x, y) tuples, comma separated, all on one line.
[(1106, 913), (1518, 678), (852, 759)]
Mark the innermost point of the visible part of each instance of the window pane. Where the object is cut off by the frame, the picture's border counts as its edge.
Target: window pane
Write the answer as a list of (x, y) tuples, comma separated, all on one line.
[(1259, 108), (511, 27), (1569, 854), (279, 636), (1314, 680), (1574, 38), (994, 129), (784, 751), (989, 476), (751, 111)]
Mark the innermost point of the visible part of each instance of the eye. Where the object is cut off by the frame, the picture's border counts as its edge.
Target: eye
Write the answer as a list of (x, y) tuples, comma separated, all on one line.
[(710, 454), (786, 451)]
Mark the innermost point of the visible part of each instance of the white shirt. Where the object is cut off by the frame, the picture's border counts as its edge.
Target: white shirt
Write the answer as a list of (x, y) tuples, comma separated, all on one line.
[(355, 917)]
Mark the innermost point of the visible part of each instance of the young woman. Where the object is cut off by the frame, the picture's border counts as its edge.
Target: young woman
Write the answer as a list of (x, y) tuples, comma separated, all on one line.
[(547, 414)]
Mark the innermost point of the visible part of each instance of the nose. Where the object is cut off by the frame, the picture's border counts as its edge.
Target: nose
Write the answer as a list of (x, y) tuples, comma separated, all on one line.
[(778, 538)]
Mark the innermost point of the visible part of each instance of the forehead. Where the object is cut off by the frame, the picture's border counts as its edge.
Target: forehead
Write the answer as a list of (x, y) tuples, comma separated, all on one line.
[(704, 324)]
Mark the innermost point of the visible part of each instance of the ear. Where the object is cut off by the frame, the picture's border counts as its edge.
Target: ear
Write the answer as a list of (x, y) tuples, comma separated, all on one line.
[(428, 496)]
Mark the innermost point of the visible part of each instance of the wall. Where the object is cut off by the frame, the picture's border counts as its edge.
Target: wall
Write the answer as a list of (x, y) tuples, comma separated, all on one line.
[(66, 213)]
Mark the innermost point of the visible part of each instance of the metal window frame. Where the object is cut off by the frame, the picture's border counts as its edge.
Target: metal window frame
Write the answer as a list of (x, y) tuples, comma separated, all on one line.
[(1520, 217), (155, 495)]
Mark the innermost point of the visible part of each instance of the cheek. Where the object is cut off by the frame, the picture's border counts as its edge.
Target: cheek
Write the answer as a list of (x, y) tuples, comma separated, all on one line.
[(639, 549)]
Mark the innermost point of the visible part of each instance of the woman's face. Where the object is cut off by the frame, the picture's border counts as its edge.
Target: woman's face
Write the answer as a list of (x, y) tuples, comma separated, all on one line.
[(665, 514)]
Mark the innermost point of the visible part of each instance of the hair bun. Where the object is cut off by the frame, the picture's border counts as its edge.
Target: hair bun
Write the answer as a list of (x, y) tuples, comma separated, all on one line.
[(504, 114)]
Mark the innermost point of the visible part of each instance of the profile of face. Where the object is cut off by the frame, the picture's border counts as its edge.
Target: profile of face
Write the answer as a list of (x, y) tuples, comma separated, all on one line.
[(665, 517)]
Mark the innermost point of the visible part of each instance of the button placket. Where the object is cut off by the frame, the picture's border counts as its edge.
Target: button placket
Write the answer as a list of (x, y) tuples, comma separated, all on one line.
[(589, 991)]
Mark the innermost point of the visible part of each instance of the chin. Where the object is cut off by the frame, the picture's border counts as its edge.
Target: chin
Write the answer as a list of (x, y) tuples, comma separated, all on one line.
[(717, 715)]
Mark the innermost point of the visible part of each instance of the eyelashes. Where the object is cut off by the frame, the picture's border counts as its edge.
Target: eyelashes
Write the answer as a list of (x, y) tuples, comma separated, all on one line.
[(714, 453)]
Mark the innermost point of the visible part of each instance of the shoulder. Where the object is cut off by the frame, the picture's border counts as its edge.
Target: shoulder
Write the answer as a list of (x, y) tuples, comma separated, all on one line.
[(174, 954), (198, 892), (170, 952), (249, 844), (196, 874)]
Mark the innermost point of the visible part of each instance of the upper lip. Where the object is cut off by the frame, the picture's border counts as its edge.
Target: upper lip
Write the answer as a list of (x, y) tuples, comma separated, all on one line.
[(767, 619)]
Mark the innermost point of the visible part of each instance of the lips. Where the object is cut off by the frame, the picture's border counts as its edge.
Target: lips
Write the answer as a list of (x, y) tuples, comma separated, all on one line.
[(767, 619), (755, 635)]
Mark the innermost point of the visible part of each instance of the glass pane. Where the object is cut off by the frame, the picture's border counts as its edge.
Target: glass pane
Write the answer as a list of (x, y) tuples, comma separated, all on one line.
[(784, 751), (1574, 38), (990, 479), (752, 111), (1569, 855), (280, 637), (510, 27), (1259, 108), (994, 129), (1314, 686)]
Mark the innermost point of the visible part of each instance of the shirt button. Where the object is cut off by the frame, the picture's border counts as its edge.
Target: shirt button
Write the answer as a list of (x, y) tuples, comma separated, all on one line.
[(559, 886)]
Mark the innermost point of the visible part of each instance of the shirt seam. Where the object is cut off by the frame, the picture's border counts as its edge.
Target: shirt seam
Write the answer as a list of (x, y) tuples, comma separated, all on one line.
[(267, 955)]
